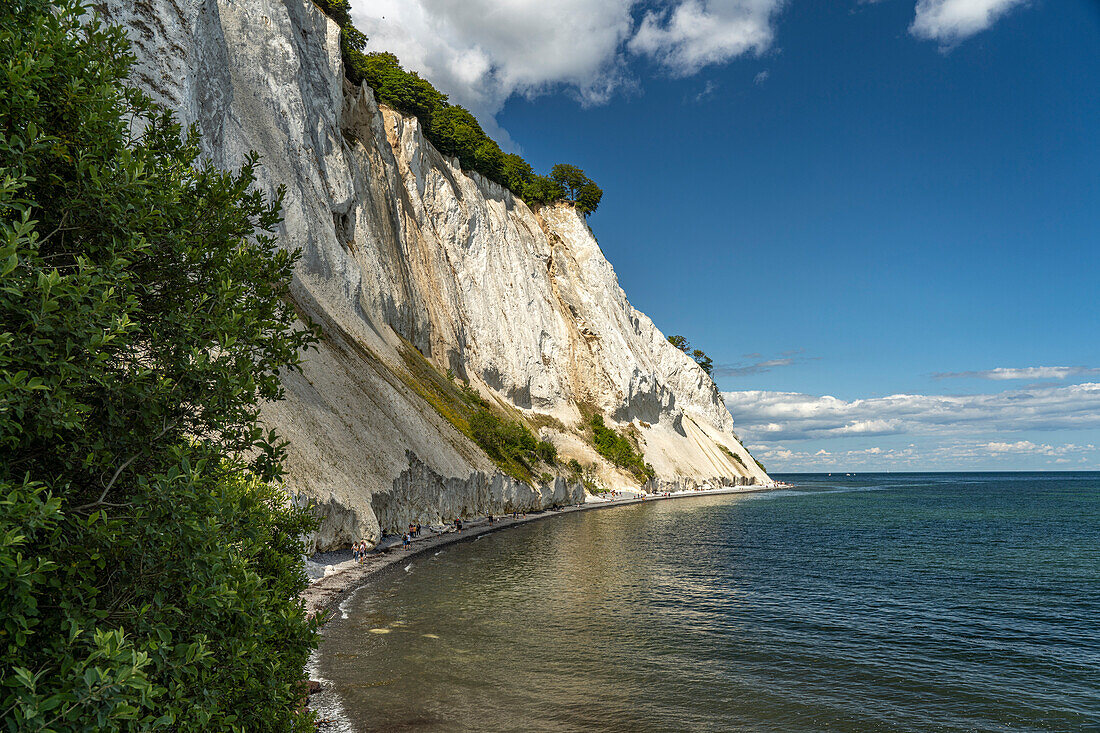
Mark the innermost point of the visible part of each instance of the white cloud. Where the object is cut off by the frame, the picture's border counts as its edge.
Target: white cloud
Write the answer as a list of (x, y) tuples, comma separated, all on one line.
[(952, 21), (481, 52), (953, 455), (1045, 449), (1004, 373), (761, 77), (697, 33), (795, 416)]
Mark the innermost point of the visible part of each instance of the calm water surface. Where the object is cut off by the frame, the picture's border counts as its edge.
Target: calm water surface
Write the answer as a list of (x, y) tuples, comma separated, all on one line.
[(933, 602)]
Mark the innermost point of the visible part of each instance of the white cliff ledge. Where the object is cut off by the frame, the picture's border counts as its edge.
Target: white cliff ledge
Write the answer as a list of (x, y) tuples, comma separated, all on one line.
[(400, 246)]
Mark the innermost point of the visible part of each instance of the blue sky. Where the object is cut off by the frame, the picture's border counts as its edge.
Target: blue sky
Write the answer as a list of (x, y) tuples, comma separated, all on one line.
[(860, 210)]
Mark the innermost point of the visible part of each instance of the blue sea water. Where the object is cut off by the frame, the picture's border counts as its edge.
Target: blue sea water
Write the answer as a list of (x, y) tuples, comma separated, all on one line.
[(873, 602)]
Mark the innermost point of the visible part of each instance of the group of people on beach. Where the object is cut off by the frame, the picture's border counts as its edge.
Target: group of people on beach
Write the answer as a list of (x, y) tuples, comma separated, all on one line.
[(412, 532), (359, 551)]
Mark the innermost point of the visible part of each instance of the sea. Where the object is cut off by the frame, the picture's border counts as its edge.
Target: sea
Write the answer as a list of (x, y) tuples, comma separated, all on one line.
[(863, 602)]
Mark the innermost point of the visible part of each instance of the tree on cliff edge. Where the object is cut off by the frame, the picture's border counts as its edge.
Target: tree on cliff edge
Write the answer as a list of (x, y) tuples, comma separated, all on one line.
[(698, 355), (576, 188), (149, 566)]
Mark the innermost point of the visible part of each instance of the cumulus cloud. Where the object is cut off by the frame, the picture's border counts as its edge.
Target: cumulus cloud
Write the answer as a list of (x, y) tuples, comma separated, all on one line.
[(763, 415), (954, 454), (1045, 449), (1004, 373), (952, 21), (697, 33), (481, 52), (785, 459)]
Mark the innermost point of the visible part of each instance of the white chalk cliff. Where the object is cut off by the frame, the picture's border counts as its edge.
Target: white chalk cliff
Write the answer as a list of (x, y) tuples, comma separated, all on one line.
[(401, 247)]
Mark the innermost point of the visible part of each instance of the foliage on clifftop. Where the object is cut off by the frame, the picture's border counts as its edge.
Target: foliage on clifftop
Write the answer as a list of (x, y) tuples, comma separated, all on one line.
[(618, 449), (451, 127), (150, 573), (698, 355)]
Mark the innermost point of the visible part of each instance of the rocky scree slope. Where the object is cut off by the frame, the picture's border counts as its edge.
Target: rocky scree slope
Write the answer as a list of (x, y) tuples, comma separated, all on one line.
[(412, 265)]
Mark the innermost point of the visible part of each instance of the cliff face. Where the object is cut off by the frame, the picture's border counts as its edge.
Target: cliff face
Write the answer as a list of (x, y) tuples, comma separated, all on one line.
[(403, 255)]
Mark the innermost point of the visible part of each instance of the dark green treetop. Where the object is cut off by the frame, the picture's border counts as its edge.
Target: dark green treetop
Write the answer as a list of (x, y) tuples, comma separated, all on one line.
[(698, 355), (588, 198), (680, 343), (576, 187), (702, 360)]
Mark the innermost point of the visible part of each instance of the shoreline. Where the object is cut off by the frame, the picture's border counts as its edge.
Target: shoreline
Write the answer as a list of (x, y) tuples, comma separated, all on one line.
[(348, 576)]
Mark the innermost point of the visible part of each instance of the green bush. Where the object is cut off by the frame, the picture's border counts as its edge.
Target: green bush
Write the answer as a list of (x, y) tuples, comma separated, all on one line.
[(503, 439), (150, 572), (619, 450), (547, 452), (510, 442)]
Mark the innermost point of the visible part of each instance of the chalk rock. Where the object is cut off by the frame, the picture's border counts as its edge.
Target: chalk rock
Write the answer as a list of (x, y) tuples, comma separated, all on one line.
[(401, 251)]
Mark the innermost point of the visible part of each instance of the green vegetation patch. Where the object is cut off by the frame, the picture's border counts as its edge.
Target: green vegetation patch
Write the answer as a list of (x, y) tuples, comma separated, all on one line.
[(732, 455), (618, 449), (586, 476), (451, 127), (506, 439)]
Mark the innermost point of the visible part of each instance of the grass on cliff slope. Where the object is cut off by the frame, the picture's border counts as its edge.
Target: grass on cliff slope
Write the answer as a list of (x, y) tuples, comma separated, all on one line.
[(732, 455), (506, 439), (618, 449)]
